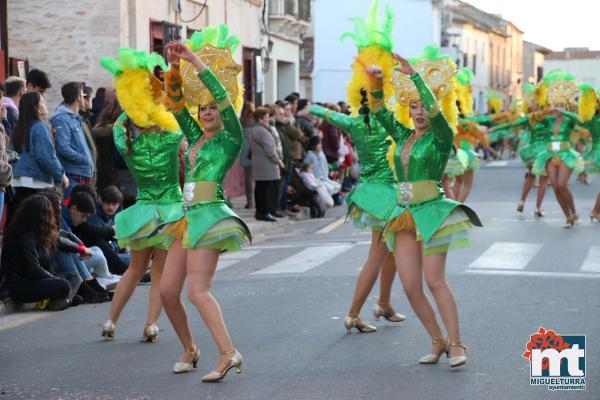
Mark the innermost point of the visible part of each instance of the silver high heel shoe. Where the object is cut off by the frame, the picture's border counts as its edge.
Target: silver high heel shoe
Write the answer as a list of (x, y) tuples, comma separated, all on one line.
[(235, 362), (353, 322), (108, 329), (150, 333), (182, 367), (457, 361), (434, 358), (379, 311)]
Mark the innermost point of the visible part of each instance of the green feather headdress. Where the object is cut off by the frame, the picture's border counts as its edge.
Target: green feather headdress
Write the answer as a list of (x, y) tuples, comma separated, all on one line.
[(371, 30), (130, 59), (216, 37)]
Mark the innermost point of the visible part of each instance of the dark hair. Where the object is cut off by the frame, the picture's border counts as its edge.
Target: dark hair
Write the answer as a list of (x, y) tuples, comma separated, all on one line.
[(35, 214), (71, 91), (38, 78), (109, 114), (111, 194), (84, 202), (87, 90), (305, 166), (260, 112), (295, 94), (2, 89), (82, 187), (302, 103), (364, 107), (28, 115), (279, 103), (100, 92), (292, 98), (247, 115), (55, 198), (313, 142), (12, 86)]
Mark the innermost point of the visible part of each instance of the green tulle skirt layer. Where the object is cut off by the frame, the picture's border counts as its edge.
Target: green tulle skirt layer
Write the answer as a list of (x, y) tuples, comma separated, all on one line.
[(213, 225), (363, 220), (592, 161), (499, 134), (376, 199), (472, 159), (569, 156), (146, 225), (530, 151), (454, 167)]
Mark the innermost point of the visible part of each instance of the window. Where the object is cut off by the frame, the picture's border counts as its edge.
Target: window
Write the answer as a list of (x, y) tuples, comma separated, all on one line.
[(161, 33), (465, 62), (474, 64)]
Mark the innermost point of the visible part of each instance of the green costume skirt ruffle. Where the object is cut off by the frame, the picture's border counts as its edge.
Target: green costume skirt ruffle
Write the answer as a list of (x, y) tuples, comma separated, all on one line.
[(592, 161), (457, 164), (145, 225), (473, 162), (370, 204), (530, 152), (213, 225), (499, 134), (441, 224), (569, 156)]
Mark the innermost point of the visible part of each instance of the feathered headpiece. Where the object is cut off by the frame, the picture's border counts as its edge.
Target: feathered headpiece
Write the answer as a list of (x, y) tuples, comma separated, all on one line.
[(588, 102), (494, 101), (373, 37), (562, 89), (138, 90), (214, 46), (463, 91), (528, 96), (438, 71)]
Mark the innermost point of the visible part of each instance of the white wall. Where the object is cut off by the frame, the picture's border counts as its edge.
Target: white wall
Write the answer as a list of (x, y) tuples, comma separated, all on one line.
[(413, 30), (587, 70), (286, 55)]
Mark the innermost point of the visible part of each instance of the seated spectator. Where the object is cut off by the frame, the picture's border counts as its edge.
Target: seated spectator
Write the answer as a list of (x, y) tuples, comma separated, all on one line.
[(316, 157), (312, 183), (38, 167), (25, 265), (37, 81), (81, 206), (69, 258)]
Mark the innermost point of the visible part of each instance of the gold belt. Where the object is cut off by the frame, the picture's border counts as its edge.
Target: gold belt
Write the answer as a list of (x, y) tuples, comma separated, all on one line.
[(196, 192), (557, 146), (417, 192)]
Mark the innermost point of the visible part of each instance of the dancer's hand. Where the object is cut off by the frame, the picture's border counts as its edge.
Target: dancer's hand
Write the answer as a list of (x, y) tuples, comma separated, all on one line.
[(405, 66), (172, 58), (181, 51), (374, 71)]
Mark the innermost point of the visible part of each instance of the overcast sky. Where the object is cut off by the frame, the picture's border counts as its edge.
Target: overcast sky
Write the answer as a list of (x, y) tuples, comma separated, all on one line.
[(555, 24)]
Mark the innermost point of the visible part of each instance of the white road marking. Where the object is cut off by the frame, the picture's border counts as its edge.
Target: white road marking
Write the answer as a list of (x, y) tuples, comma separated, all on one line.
[(330, 227), (507, 255), (305, 244), (228, 259), (497, 163), (307, 259), (592, 260), (571, 275)]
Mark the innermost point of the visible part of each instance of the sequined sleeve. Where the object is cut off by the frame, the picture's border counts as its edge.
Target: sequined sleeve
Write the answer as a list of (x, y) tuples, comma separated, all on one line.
[(176, 104), (439, 124), (229, 117), (119, 134), (340, 120)]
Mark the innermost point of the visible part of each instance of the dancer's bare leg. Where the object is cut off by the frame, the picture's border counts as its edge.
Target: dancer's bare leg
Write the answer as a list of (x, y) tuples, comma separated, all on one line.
[(448, 183), (388, 272), (467, 185), (553, 176), (154, 301), (541, 192), (564, 173), (527, 184)]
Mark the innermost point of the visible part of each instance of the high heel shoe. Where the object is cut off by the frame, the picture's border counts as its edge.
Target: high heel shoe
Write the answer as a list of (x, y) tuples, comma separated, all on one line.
[(434, 358), (575, 219), (457, 361), (379, 311), (520, 206), (537, 213), (182, 366), (150, 333), (568, 223), (108, 329), (234, 362), (360, 325), (594, 216)]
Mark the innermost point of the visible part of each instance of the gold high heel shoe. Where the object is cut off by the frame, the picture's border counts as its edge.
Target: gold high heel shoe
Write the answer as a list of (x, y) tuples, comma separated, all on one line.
[(182, 366), (235, 362), (150, 333), (457, 361), (380, 311), (353, 321), (594, 216), (434, 358), (108, 329), (575, 220)]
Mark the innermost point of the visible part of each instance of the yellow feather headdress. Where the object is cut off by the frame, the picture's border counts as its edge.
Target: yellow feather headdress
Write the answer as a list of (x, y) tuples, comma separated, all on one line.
[(139, 92), (588, 102)]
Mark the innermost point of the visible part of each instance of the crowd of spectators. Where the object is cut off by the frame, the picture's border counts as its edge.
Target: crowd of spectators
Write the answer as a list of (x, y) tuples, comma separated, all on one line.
[(58, 243)]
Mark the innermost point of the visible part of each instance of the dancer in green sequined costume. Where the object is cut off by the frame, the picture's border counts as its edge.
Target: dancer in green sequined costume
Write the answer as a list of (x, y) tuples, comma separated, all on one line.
[(211, 226), (424, 224), (589, 112), (148, 138)]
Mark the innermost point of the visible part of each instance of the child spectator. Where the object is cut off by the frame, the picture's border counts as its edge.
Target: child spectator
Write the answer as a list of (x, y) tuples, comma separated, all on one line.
[(316, 157), (26, 262), (311, 182)]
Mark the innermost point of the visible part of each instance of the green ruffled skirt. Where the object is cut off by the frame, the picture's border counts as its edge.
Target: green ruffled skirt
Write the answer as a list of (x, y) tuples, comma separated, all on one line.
[(146, 225), (499, 134), (592, 160), (569, 156), (370, 204), (441, 224), (530, 151), (213, 225)]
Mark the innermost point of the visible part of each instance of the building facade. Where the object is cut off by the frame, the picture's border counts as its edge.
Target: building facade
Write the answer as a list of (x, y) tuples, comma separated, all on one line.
[(533, 61), (582, 63)]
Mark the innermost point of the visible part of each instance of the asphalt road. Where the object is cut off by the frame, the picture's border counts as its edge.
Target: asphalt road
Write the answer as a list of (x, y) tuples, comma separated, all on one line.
[(284, 300)]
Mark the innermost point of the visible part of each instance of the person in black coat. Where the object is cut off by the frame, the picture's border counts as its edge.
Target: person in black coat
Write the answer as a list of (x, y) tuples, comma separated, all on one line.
[(26, 262)]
